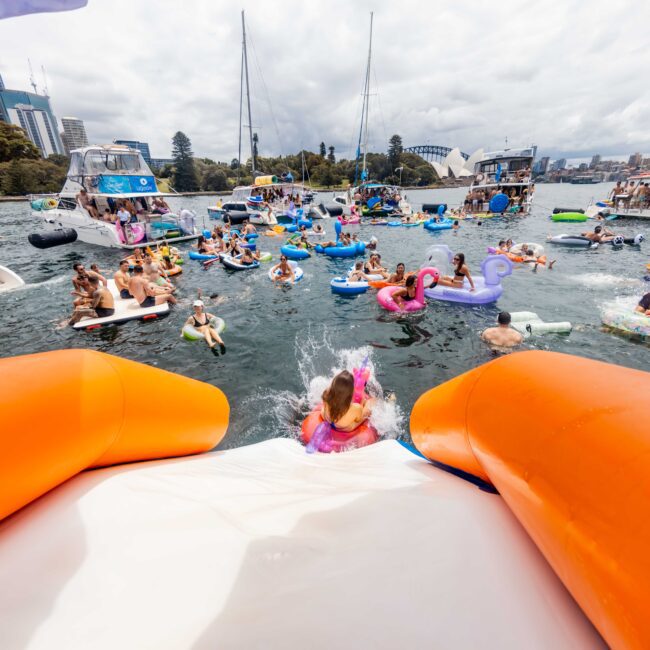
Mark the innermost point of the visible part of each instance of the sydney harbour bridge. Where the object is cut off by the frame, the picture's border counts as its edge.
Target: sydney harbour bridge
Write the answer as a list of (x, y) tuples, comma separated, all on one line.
[(432, 152)]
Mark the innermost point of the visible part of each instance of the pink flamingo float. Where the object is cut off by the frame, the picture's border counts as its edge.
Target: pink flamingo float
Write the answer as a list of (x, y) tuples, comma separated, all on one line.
[(385, 295)]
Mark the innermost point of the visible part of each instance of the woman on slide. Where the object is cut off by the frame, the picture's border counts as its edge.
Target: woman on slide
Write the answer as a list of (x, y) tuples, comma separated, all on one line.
[(461, 271), (338, 407)]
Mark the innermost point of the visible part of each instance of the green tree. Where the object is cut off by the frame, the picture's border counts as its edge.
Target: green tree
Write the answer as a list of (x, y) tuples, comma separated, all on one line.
[(330, 156), (395, 150), (426, 174), (323, 150), (234, 163), (27, 176), (185, 176), (214, 179), (14, 144)]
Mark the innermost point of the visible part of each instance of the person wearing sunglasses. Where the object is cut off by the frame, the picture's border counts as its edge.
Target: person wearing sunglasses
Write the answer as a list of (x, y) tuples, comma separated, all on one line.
[(461, 272), (282, 272)]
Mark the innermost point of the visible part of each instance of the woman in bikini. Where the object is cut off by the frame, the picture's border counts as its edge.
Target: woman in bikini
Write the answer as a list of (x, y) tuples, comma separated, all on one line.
[(200, 321), (461, 271), (339, 409), (285, 271)]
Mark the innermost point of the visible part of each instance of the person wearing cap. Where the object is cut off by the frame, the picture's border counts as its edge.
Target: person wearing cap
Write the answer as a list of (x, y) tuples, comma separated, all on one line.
[(502, 336), (200, 321)]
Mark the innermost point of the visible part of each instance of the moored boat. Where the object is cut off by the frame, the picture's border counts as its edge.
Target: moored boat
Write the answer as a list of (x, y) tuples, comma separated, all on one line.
[(101, 180)]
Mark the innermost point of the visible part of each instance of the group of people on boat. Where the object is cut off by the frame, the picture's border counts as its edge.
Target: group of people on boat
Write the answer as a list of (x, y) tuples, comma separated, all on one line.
[(630, 195), (126, 210), (478, 199)]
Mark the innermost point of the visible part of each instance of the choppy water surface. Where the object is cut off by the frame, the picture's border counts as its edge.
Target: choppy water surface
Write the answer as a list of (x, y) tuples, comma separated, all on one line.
[(283, 343)]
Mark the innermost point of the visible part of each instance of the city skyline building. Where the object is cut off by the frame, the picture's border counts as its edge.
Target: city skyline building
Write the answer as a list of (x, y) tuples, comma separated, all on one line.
[(33, 113), (595, 160), (74, 134), (635, 159), (142, 147)]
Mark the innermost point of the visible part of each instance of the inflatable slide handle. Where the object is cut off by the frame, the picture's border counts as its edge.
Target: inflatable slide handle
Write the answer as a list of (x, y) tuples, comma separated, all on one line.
[(361, 376), (566, 442), (69, 410)]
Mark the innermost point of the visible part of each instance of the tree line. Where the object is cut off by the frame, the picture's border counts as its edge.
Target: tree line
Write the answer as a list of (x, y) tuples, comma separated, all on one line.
[(23, 171), (322, 169)]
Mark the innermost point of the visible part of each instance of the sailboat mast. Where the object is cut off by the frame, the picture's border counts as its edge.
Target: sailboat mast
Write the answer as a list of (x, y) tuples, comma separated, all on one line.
[(241, 107), (367, 98), (248, 93)]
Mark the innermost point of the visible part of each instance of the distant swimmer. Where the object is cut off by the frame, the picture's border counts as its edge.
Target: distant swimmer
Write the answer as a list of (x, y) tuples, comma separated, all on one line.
[(502, 336)]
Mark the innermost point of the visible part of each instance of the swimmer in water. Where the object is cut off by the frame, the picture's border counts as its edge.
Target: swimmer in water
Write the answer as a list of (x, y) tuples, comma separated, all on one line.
[(339, 409), (502, 336)]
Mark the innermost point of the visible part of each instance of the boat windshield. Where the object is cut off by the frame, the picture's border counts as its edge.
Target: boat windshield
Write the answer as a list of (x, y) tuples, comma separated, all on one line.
[(110, 162)]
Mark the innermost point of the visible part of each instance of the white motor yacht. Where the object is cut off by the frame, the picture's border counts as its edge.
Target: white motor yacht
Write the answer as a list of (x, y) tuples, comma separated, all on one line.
[(508, 172), (112, 175)]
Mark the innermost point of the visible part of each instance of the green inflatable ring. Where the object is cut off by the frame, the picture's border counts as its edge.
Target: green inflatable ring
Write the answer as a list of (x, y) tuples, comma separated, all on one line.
[(189, 333)]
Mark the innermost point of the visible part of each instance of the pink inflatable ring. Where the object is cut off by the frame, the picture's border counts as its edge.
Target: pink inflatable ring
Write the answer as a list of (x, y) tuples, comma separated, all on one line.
[(385, 295)]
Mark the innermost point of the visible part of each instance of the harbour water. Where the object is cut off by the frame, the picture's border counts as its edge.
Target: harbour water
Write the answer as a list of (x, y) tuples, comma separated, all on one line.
[(281, 341)]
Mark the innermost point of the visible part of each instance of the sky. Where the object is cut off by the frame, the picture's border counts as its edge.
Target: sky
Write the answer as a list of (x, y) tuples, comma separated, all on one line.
[(567, 75)]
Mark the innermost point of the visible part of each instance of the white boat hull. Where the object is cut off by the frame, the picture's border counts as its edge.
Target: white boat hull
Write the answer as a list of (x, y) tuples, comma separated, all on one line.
[(89, 230), (9, 280)]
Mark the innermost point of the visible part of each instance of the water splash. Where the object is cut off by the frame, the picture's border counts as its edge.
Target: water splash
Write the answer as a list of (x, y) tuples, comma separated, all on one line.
[(317, 361), (606, 280)]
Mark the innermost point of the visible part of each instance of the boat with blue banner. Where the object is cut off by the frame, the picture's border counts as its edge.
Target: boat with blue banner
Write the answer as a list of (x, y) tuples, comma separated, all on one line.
[(110, 198)]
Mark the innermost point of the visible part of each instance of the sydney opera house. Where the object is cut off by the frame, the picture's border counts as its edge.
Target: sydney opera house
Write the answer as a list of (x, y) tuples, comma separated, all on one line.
[(455, 166)]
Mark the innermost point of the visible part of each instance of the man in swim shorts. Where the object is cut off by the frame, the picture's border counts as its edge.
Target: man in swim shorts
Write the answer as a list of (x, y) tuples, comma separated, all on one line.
[(140, 288), (121, 278), (502, 336), (102, 299)]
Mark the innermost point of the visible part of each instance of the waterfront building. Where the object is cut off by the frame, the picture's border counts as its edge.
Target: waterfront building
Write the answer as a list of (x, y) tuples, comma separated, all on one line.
[(558, 165), (34, 115), (635, 160), (142, 147), (74, 134), (161, 162), (595, 161)]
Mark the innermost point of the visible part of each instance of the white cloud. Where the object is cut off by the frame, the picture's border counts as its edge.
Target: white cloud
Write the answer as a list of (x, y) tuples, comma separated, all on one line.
[(567, 75)]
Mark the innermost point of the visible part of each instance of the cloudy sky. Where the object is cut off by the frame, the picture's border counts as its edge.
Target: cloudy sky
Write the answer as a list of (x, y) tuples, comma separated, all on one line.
[(568, 75)]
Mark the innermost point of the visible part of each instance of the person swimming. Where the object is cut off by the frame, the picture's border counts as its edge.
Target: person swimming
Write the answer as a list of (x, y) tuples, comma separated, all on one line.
[(502, 336), (373, 266), (339, 409)]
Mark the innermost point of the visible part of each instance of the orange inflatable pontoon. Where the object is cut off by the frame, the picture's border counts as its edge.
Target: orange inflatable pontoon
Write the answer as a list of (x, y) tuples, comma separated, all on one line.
[(66, 411), (566, 441)]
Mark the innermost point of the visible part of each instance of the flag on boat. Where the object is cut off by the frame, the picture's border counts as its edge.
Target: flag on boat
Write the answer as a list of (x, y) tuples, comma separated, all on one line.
[(11, 8)]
